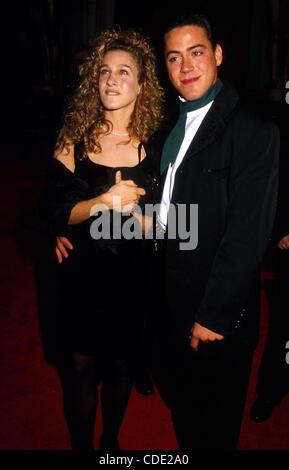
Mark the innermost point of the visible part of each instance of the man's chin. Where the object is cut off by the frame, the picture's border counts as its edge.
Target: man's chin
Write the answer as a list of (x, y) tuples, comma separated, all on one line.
[(192, 96)]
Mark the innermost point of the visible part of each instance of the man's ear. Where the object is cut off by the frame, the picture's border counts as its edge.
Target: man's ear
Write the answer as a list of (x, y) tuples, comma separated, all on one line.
[(218, 54)]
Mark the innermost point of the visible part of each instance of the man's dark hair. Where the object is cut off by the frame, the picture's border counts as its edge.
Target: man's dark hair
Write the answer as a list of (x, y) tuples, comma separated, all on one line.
[(194, 20)]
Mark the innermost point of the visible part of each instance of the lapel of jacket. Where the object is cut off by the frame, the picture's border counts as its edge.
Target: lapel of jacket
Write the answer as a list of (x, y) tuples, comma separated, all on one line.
[(215, 120), (166, 128)]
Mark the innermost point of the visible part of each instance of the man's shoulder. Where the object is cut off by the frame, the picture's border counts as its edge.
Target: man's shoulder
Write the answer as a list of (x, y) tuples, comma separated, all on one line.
[(252, 131), (252, 114), (247, 119), (239, 108)]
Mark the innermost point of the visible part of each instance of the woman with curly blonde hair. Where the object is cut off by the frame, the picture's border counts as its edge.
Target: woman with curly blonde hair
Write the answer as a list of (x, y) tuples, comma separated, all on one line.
[(105, 151), (86, 120)]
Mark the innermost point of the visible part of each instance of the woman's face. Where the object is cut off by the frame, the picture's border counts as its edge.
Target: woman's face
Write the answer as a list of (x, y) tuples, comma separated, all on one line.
[(118, 81)]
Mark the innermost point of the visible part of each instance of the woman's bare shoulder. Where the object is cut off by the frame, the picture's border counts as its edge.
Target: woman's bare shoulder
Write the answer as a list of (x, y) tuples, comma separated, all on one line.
[(66, 157)]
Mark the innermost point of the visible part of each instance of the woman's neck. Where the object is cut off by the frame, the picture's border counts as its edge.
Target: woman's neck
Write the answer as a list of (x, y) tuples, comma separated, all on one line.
[(120, 120)]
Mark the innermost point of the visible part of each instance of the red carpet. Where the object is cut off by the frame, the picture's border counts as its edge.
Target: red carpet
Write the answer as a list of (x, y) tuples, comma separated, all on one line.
[(30, 396)]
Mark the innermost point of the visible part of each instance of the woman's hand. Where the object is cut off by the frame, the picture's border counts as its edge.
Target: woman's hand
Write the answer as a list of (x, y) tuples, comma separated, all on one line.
[(123, 195), (62, 243)]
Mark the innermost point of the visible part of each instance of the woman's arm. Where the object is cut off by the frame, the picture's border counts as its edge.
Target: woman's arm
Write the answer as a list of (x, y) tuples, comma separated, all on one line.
[(122, 196)]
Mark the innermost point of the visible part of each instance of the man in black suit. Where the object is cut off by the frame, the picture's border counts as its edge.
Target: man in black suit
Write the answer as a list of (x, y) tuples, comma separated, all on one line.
[(225, 160)]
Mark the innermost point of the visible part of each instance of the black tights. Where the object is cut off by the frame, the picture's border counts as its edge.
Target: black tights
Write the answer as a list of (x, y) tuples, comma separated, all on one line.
[(80, 376)]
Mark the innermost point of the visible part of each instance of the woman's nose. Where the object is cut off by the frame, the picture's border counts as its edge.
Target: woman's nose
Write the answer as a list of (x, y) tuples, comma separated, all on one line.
[(111, 80)]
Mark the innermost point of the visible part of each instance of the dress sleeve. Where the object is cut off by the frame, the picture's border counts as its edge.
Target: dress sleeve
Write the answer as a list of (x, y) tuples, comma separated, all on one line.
[(62, 191)]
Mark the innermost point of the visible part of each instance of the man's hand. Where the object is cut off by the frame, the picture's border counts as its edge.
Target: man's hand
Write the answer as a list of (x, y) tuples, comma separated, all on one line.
[(200, 333), (62, 243), (283, 244)]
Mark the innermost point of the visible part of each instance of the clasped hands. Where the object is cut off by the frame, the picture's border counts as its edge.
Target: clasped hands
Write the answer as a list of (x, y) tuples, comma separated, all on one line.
[(123, 195)]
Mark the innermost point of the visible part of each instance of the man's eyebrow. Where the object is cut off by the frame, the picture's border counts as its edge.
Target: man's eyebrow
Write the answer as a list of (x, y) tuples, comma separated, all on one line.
[(188, 49)]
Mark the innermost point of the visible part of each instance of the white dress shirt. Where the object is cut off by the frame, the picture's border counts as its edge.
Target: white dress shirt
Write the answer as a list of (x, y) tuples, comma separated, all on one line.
[(193, 122)]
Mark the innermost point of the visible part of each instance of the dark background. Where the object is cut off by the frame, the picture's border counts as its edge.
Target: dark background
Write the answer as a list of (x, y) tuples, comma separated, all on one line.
[(45, 39), (41, 43)]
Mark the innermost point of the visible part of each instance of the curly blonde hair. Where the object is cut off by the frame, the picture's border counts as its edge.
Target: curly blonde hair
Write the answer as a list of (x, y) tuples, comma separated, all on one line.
[(84, 120)]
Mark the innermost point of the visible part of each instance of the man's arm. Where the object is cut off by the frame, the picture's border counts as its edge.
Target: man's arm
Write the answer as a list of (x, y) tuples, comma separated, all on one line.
[(251, 210)]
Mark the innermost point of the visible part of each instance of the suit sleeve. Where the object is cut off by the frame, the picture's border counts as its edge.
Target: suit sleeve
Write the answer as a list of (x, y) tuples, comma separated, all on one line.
[(252, 194)]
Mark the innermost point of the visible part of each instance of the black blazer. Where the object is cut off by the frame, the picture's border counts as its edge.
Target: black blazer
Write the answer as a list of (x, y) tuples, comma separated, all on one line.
[(231, 171)]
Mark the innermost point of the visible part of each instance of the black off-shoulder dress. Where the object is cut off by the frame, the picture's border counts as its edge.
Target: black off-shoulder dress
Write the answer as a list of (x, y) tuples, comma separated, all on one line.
[(105, 285)]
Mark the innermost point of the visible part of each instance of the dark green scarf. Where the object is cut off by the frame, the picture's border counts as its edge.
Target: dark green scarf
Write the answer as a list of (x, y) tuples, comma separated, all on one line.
[(175, 138)]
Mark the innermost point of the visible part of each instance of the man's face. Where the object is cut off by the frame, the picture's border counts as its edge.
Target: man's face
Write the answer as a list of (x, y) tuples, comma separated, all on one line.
[(191, 61)]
